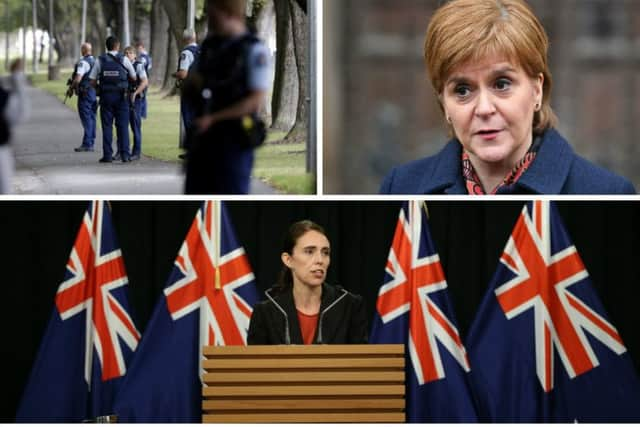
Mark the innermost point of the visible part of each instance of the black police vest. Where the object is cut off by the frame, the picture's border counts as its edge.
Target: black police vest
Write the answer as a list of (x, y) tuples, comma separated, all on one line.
[(84, 83), (113, 74), (224, 68), (133, 86), (4, 126)]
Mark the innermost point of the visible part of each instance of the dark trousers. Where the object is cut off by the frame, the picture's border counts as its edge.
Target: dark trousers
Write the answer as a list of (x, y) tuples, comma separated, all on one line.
[(143, 112), (219, 163), (187, 115), (87, 109), (114, 106), (135, 119)]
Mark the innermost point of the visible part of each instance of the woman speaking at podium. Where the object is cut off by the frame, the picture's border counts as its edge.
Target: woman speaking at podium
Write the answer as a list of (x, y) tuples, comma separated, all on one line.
[(302, 308)]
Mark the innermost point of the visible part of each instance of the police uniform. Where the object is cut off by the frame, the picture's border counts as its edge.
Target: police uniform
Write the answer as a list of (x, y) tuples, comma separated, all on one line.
[(112, 71), (188, 57), (220, 160), (147, 62), (136, 108), (87, 102)]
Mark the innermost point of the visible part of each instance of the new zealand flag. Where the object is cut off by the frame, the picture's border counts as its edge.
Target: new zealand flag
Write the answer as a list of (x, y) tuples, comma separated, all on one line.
[(90, 337), (413, 308), (208, 300), (541, 345)]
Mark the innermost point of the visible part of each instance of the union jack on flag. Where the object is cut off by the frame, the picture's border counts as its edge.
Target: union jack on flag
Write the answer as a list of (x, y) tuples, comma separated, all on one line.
[(95, 270), (544, 281), (208, 300), (69, 381), (212, 269), (542, 319), (413, 308)]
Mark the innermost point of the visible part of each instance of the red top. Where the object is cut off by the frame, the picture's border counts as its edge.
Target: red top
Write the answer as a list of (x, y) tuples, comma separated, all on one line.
[(308, 325)]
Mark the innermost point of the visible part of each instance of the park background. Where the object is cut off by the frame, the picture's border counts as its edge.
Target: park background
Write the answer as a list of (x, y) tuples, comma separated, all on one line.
[(288, 160)]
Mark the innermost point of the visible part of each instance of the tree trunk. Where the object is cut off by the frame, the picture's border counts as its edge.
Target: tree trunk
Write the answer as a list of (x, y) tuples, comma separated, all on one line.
[(65, 33), (264, 22), (177, 13), (159, 42), (112, 18), (141, 24), (285, 86), (172, 64), (300, 31)]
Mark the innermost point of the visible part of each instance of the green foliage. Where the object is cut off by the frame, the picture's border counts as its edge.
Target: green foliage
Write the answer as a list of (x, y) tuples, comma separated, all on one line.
[(283, 165), (16, 11), (258, 5), (200, 6)]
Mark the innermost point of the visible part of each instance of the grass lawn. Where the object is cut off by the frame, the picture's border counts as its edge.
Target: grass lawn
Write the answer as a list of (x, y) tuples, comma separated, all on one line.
[(280, 165)]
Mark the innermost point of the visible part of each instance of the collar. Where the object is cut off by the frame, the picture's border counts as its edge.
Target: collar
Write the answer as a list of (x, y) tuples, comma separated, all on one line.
[(472, 181), (285, 301), (549, 172), (546, 175), (113, 52)]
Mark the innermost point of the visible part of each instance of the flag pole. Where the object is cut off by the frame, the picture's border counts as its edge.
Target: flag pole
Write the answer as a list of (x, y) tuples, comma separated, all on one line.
[(216, 243)]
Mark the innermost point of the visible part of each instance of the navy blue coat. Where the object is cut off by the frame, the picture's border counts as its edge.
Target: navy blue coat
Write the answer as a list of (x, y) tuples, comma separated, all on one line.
[(556, 170)]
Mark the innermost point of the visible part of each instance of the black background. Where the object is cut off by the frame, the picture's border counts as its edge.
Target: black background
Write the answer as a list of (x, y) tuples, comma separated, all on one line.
[(469, 236)]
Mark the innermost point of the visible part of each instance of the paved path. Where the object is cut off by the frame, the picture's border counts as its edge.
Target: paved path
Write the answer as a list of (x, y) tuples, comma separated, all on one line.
[(47, 164)]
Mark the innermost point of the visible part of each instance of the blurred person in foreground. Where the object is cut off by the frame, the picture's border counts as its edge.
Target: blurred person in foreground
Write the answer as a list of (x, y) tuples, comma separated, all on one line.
[(487, 61), (14, 106), (227, 88)]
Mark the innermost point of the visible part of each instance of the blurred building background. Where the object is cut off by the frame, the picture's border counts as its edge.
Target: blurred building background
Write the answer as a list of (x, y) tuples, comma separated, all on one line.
[(379, 109)]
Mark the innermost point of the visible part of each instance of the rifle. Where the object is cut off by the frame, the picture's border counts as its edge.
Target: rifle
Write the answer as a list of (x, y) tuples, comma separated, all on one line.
[(69, 92)]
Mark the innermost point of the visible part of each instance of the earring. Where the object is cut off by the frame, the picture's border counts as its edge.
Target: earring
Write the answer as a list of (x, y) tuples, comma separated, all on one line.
[(537, 106)]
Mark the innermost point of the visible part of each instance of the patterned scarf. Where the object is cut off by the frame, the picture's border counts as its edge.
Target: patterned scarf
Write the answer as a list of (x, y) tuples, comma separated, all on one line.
[(472, 181)]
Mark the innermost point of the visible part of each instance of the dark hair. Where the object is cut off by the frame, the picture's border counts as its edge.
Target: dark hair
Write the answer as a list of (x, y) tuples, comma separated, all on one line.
[(111, 42), (295, 231), (232, 7)]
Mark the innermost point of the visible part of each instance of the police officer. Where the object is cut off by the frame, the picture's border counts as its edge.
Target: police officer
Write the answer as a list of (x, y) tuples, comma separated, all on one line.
[(143, 56), (87, 101), (138, 95), (112, 72), (234, 68), (188, 57)]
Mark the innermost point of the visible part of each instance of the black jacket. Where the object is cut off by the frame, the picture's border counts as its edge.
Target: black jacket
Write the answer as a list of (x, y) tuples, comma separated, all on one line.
[(341, 320)]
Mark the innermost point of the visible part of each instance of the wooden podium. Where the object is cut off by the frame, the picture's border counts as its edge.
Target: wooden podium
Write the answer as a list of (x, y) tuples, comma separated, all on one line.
[(298, 384)]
